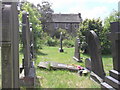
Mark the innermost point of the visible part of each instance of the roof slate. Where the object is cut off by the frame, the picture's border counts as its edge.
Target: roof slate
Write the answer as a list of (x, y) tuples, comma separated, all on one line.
[(66, 18)]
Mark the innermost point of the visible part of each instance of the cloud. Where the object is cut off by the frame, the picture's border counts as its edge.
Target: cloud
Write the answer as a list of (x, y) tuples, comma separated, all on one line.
[(96, 12), (103, 1), (87, 8), (63, 2)]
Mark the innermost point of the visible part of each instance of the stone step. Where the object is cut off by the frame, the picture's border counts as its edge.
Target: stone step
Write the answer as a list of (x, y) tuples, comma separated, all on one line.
[(112, 82), (115, 74), (95, 78), (105, 86)]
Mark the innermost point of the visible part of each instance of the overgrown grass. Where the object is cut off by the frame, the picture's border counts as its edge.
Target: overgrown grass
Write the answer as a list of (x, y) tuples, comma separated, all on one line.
[(65, 79)]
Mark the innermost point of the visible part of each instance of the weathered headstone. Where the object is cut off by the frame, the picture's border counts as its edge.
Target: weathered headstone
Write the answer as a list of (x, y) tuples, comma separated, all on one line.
[(29, 71), (26, 42), (55, 65), (88, 64), (61, 38), (113, 81), (97, 73), (31, 41), (10, 45), (77, 51), (31, 46), (0, 43)]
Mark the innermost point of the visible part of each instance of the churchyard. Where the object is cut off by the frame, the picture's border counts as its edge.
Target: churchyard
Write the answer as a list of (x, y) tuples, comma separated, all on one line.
[(55, 79), (23, 65)]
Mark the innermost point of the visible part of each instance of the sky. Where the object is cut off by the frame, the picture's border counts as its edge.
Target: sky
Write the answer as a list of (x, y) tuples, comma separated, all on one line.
[(88, 8)]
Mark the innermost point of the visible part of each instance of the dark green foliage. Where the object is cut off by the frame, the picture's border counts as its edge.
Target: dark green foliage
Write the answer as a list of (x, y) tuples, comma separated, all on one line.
[(87, 25), (51, 42), (69, 43), (100, 30), (105, 42), (58, 31)]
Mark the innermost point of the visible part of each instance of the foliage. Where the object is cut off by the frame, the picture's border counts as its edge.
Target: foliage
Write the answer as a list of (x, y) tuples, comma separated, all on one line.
[(91, 24), (46, 12), (86, 25), (105, 43), (57, 33), (34, 16), (69, 42), (101, 31), (51, 41)]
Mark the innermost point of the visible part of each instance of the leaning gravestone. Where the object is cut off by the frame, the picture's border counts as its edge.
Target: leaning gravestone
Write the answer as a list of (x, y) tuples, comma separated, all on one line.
[(29, 71), (97, 73), (61, 38), (77, 51), (113, 81), (10, 45), (26, 42)]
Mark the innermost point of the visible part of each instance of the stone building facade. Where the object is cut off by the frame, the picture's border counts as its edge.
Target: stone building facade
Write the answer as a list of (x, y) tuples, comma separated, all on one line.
[(69, 22)]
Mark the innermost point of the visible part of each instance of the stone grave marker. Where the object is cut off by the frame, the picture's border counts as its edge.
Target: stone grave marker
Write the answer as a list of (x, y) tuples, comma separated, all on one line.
[(77, 51), (29, 70), (113, 81), (10, 45), (26, 42), (97, 73), (55, 66), (88, 64), (31, 42), (61, 38)]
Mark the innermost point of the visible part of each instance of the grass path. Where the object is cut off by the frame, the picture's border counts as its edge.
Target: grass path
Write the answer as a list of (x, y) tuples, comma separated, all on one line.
[(65, 79)]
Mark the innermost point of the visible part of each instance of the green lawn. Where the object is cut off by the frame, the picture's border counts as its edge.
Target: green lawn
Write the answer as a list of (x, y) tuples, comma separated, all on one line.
[(64, 79)]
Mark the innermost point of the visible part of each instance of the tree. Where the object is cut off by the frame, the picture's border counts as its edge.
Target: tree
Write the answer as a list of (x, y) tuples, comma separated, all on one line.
[(101, 31), (46, 12), (34, 16), (86, 25), (106, 45)]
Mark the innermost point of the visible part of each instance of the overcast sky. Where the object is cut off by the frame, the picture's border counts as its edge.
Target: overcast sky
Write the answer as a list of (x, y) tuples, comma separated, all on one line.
[(87, 8)]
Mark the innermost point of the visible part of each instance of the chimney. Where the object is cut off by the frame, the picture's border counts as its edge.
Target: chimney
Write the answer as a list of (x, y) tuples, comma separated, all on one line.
[(79, 15)]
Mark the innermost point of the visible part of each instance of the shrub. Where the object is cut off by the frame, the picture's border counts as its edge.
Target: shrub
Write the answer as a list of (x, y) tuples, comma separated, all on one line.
[(68, 43), (84, 47), (51, 41), (57, 33)]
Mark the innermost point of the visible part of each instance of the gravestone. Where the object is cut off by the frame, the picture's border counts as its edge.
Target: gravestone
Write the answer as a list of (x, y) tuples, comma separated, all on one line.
[(26, 42), (31, 42), (61, 38), (60, 66), (88, 64), (27, 37), (97, 73), (113, 81), (10, 45), (77, 51)]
